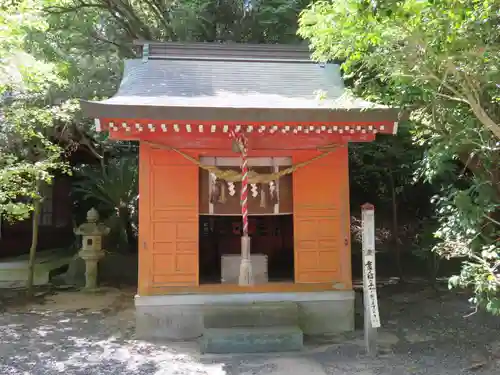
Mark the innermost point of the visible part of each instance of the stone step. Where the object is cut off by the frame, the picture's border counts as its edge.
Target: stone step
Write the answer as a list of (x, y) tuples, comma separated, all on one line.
[(251, 340), (265, 314)]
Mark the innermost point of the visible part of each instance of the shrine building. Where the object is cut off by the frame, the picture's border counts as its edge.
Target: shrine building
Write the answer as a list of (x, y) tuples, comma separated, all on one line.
[(244, 187)]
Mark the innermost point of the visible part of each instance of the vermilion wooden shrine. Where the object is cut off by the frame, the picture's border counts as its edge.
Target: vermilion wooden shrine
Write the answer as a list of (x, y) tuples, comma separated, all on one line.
[(192, 107)]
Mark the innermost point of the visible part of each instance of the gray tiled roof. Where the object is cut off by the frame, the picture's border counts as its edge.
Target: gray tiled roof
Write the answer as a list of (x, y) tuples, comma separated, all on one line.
[(233, 84)]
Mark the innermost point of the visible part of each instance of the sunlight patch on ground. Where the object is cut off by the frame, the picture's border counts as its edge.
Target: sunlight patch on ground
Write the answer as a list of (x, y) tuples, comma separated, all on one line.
[(133, 355), (425, 332), (9, 332), (71, 301), (285, 366)]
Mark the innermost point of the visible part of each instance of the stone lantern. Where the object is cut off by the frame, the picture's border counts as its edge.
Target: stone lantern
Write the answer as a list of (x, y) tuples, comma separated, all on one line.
[(91, 251)]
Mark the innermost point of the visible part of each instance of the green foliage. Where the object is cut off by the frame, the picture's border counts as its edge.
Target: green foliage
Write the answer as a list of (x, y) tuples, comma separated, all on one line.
[(439, 59), (186, 20), (379, 162), (28, 153), (114, 191)]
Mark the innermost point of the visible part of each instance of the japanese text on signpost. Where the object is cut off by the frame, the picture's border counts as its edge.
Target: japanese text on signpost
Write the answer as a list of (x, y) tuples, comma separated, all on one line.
[(369, 276)]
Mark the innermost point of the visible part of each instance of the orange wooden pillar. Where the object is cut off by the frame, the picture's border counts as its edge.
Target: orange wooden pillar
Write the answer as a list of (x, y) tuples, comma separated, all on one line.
[(321, 220), (168, 222)]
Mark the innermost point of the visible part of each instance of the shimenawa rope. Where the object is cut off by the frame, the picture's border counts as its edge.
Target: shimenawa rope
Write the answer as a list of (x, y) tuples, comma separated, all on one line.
[(253, 177)]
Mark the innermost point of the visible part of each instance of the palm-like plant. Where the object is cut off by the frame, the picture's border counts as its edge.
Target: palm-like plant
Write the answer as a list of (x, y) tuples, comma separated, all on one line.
[(113, 187)]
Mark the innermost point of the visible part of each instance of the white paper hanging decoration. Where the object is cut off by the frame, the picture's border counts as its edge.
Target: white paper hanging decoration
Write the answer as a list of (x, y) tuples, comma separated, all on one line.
[(254, 190), (214, 189), (231, 189), (272, 189)]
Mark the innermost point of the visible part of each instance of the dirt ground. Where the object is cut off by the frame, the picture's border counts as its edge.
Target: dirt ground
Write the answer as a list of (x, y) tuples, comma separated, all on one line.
[(424, 332)]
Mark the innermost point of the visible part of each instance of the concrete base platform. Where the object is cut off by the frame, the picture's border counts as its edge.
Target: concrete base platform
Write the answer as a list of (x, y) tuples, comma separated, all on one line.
[(14, 271), (182, 317), (251, 340)]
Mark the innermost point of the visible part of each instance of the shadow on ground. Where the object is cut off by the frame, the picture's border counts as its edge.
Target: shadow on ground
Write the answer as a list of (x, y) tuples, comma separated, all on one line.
[(425, 332)]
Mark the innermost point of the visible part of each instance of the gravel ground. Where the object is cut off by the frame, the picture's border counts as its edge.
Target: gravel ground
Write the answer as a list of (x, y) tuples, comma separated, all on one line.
[(424, 333)]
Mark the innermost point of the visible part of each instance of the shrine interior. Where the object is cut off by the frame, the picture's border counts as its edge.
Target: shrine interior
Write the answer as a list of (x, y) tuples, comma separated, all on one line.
[(270, 224), (220, 247)]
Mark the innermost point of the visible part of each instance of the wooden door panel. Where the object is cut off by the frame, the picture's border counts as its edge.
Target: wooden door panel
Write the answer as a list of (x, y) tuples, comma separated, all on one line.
[(308, 260), (318, 223), (317, 276), (163, 264), (168, 231), (174, 186), (174, 220), (174, 247), (172, 263), (172, 280)]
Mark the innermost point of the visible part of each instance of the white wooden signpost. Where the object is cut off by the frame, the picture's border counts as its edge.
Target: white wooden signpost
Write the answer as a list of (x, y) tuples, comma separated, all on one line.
[(370, 302)]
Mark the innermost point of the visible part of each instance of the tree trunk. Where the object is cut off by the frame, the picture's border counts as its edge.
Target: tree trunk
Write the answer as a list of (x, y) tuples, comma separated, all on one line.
[(131, 239), (37, 205), (124, 214), (395, 227), (433, 263)]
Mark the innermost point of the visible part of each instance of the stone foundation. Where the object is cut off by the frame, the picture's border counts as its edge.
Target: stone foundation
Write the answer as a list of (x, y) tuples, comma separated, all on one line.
[(169, 322), (181, 317)]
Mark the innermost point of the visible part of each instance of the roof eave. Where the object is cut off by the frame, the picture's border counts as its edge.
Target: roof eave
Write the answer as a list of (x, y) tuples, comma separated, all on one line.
[(244, 115)]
